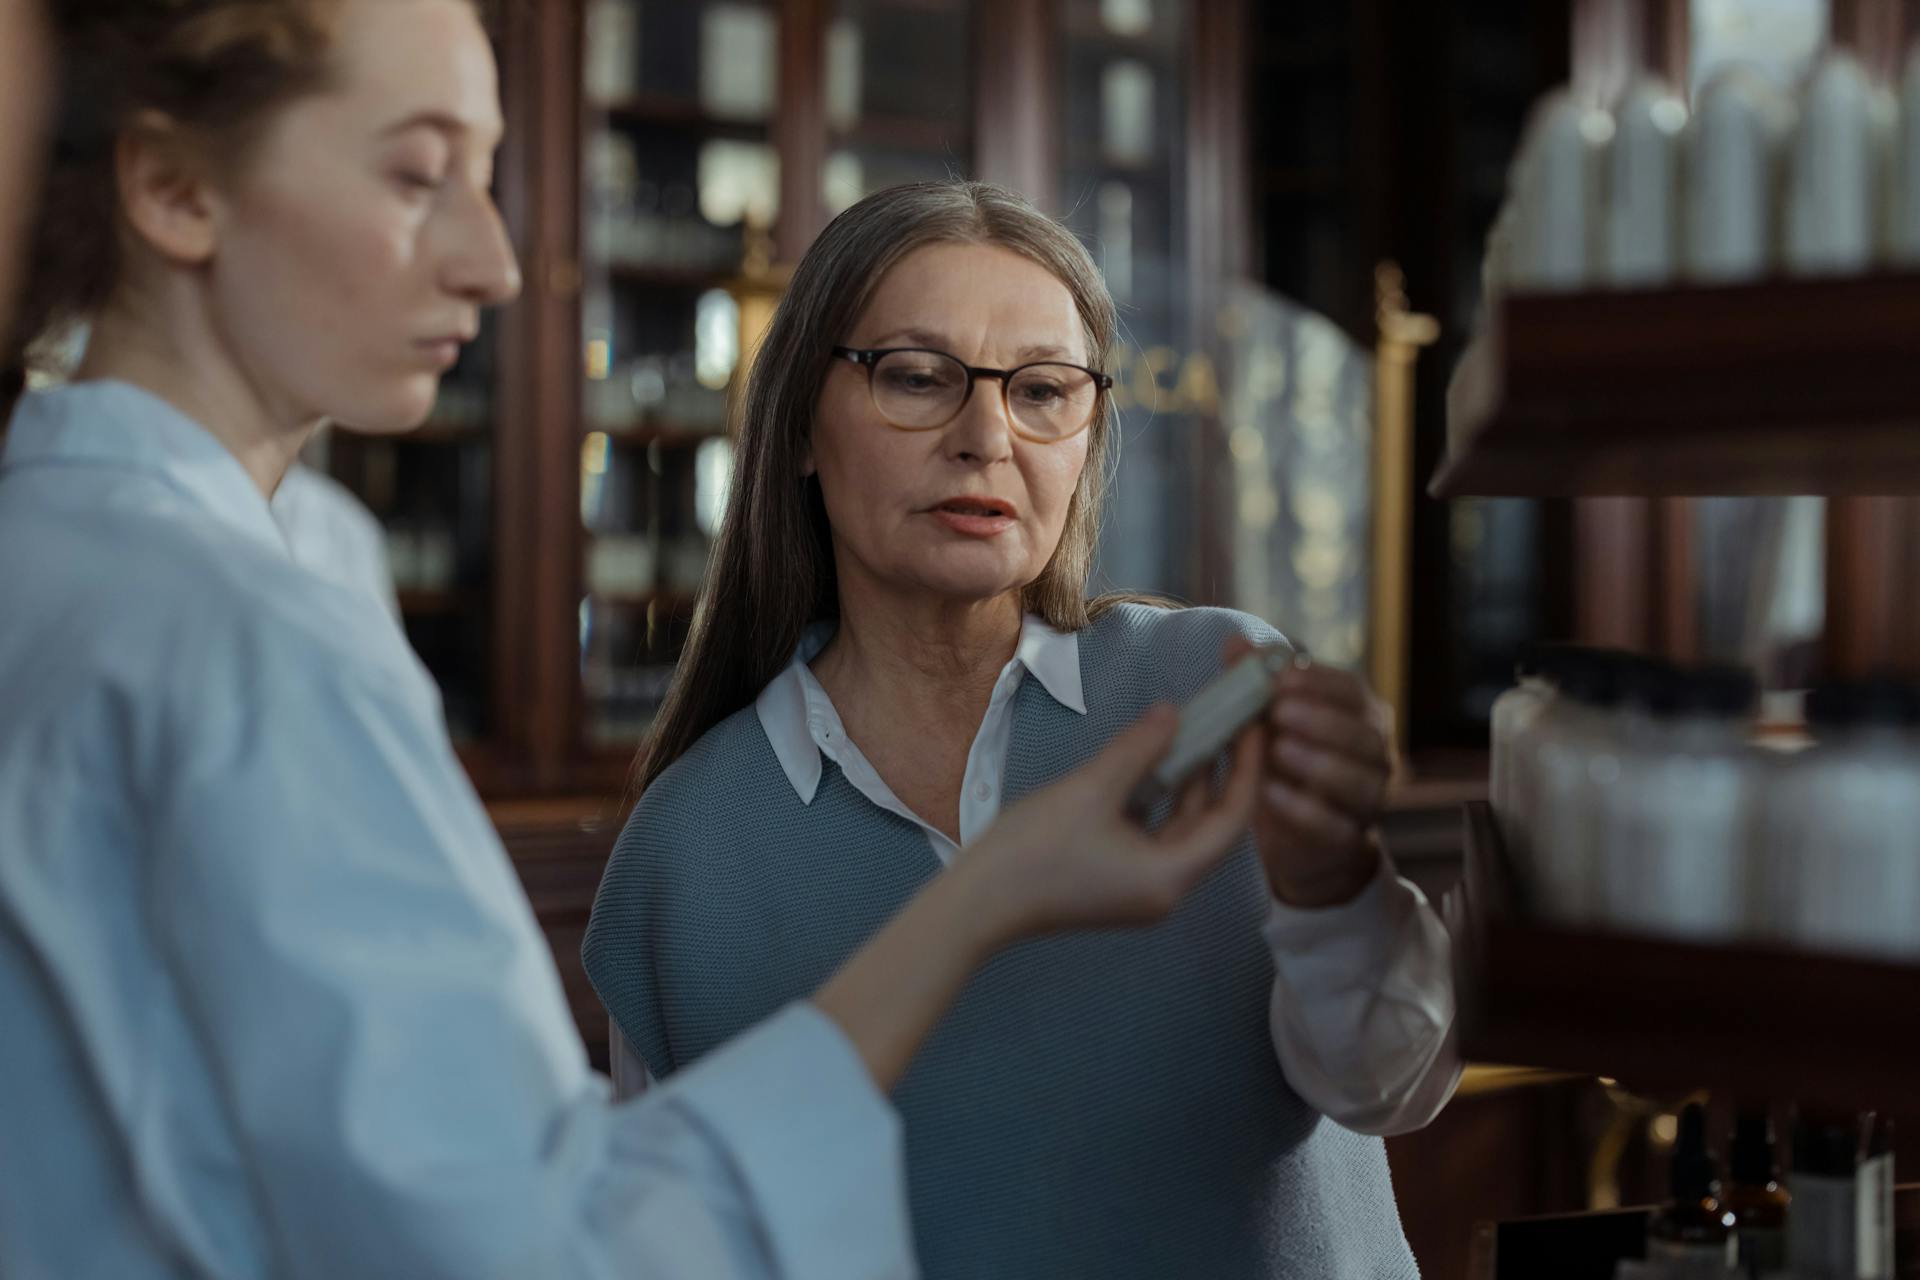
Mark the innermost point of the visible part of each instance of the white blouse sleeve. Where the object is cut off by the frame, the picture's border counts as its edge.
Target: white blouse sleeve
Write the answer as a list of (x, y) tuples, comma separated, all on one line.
[(387, 1028), (1363, 1006)]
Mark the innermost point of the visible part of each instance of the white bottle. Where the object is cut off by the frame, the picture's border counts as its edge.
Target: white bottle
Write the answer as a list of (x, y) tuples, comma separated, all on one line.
[(1734, 149), (1679, 832), (1514, 715), (1556, 183), (1528, 736), (1642, 190), (1496, 267), (1836, 188), (1577, 762), (1906, 179), (611, 47), (1841, 851)]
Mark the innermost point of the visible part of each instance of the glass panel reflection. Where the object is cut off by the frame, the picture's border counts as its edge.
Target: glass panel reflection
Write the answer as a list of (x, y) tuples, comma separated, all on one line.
[(898, 96), (681, 178)]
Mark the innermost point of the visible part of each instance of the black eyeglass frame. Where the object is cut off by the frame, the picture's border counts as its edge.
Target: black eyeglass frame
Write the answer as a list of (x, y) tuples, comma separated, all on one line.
[(869, 359)]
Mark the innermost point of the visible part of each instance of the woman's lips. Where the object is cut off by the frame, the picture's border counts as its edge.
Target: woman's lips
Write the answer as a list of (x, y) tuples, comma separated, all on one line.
[(975, 519), (444, 352)]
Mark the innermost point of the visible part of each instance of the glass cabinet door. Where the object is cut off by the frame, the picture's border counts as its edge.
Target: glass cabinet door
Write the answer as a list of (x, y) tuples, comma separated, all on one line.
[(898, 94), (680, 184), (1122, 98)]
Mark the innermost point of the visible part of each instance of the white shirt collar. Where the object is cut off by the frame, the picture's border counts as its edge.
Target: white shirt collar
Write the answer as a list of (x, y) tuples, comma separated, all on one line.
[(114, 423), (796, 713)]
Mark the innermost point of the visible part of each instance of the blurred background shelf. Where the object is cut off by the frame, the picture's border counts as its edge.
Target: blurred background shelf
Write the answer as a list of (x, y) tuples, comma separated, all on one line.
[(1667, 1016), (903, 133), (1782, 387), (664, 110), (432, 432), (669, 602), (428, 603), (671, 435), (663, 276)]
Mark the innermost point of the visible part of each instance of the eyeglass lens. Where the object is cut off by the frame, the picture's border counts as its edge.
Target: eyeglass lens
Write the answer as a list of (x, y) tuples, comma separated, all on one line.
[(924, 389)]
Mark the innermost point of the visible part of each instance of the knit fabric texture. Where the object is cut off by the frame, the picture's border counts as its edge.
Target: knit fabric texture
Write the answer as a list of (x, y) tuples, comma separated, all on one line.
[(1104, 1105)]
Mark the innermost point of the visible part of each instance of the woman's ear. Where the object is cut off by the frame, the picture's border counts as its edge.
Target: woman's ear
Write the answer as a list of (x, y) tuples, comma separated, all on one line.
[(807, 467), (163, 189)]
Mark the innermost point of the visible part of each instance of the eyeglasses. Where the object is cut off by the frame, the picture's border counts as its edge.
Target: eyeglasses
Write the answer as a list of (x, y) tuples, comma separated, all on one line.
[(919, 389)]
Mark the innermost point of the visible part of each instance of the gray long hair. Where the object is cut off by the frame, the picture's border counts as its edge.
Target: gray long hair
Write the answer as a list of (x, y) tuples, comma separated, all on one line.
[(772, 571)]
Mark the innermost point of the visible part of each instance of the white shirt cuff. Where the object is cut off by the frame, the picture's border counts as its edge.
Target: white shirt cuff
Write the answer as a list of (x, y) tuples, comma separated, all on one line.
[(1363, 1005), (814, 1142)]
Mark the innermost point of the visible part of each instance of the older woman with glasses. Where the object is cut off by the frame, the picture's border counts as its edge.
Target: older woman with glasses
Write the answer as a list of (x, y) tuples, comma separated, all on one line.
[(895, 640)]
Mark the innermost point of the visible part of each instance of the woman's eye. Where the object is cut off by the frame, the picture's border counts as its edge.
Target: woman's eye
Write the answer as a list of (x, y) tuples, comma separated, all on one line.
[(418, 180), (912, 380)]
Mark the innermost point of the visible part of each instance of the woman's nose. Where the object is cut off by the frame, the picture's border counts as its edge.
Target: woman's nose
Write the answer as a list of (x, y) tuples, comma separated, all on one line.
[(982, 432), (481, 266)]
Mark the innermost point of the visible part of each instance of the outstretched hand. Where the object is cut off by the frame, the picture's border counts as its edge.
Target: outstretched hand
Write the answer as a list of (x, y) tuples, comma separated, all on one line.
[(1071, 857)]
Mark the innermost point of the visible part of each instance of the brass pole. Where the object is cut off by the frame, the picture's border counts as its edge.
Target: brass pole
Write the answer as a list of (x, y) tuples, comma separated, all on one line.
[(1402, 334)]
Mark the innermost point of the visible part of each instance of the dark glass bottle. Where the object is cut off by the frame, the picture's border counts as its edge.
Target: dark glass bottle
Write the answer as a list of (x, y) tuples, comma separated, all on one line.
[(1693, 1227), (1755, 1197)]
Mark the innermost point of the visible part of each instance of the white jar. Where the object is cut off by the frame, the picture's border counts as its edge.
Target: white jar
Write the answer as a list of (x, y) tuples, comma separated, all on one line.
[(1513, 717), (1556, 188), (1734, 150), (1643, 187), (1837, 185), (612, 50), (1680, 821), (1841, 854), (1576, 763), (1906, 180)]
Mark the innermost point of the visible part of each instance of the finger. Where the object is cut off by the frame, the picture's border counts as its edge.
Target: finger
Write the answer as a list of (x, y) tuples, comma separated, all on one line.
[(1219, 826), (1325, 684), (1334, 728), (1125, 761), (1358, 788), (1309, 818), (1235, 648), (1188, 808)]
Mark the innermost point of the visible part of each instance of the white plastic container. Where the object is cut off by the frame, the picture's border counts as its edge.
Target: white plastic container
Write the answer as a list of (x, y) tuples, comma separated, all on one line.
[(1576, 763), (1734, 152), (1840, 857), (1836, 192), (1643, 187), (611, 68), (1906, 179), (1556, 187), (1679, 832), (1514, 715)]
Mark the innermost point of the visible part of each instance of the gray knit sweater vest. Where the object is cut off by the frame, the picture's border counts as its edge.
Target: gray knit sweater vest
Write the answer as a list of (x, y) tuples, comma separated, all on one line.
[(1102, 1105)]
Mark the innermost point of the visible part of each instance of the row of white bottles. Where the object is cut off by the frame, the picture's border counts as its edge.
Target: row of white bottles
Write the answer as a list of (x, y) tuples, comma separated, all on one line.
[(1631, 796), (1748, 182)]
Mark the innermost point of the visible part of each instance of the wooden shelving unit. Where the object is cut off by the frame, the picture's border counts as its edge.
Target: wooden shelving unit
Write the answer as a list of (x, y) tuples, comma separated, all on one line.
[(670, 435), (1667, 1017), (422, 603), (669, 602), (902, 133), (432, 432), (689, 279), (1781, 387), (662, 110)]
